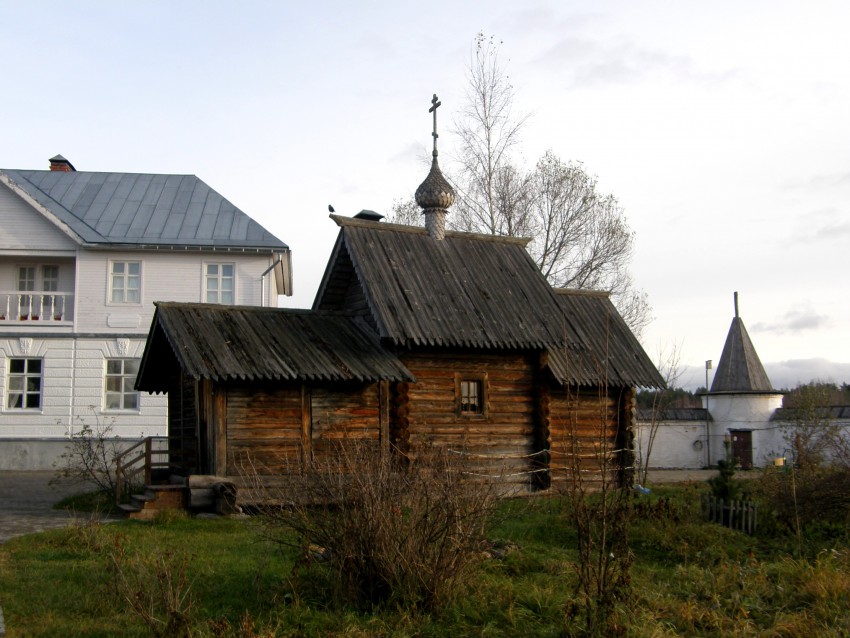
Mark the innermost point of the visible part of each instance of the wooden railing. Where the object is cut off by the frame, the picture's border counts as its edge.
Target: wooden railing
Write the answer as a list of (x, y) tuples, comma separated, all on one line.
[(141, 458), (36, 306)]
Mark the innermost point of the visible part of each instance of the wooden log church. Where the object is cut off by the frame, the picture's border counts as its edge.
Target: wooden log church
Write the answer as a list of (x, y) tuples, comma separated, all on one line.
[(417, 337)]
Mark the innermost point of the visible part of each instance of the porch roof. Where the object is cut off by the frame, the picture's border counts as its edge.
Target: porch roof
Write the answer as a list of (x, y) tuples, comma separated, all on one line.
[(225, 343)]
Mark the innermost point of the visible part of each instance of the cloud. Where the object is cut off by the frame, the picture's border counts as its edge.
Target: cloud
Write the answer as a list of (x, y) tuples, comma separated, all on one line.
[(819, 182), (411, 153), (794, 321), (793, 372), (782, 374), (593, 63), (821, 225)]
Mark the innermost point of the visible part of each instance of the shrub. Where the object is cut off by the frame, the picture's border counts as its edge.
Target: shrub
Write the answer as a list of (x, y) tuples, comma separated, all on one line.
[(816, 497), (90, 456), (384, 528)]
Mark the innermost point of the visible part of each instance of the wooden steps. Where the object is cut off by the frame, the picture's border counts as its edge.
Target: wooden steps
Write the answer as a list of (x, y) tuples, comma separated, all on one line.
[(154, 499), (197, 493)]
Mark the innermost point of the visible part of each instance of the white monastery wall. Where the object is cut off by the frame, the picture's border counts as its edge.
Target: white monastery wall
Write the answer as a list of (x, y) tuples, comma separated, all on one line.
[(678, 445)]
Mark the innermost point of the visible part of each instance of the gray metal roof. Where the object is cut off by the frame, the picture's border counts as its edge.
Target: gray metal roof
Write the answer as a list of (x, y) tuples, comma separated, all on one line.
[(252, 343), (841, 412), (472, 291), (601, 347), (645, 415), (143, 209), (740, 369)]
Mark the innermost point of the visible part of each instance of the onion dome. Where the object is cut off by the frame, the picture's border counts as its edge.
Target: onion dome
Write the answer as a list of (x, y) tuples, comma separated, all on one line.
[(435, 191)]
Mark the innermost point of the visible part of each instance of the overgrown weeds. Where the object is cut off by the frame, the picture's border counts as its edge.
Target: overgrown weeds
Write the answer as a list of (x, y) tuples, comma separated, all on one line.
[(689, 578), (384, 528), (155, 586)]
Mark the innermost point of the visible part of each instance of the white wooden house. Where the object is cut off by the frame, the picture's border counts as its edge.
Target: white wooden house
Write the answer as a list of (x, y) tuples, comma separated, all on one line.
[(83, 257)]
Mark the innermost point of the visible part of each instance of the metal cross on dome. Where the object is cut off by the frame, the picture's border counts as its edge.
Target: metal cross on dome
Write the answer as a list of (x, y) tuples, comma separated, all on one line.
[(434, 104)]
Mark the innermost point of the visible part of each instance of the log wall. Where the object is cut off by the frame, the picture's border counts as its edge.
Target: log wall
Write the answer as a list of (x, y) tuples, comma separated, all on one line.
[(264, 424), (588, 429), (499, 442), (282, 427), (344, 415)]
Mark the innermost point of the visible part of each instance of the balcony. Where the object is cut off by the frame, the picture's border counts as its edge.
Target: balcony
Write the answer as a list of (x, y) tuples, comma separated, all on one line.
[(42, 307)]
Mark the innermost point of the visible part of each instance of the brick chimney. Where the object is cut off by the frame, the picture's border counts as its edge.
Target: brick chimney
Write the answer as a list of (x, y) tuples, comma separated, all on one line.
[(59, 163)]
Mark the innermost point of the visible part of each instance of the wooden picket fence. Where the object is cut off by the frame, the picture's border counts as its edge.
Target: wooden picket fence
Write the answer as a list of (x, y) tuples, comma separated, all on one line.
[(740, 515)]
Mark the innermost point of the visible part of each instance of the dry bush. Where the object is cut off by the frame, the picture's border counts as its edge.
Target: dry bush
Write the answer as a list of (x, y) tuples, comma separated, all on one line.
[(156, 587), (90, 455), (386, 528), (809, 495)]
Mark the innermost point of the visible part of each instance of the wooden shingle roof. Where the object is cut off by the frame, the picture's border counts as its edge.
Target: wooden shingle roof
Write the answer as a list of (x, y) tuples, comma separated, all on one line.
[(740, 369), (224, 343), (471, 291), (478, 291), (141, 209), (601, 347)]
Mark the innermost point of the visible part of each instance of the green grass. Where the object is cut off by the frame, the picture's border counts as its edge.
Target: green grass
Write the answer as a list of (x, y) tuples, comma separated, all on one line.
[(689, 579), (91, 502)]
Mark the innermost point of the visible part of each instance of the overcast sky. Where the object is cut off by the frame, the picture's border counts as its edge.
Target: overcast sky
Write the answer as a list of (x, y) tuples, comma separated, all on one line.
[(723, 128)]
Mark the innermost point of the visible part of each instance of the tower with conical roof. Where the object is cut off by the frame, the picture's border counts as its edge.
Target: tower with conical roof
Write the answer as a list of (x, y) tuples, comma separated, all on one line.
[(741, 401), (435, 195), (740, 369)]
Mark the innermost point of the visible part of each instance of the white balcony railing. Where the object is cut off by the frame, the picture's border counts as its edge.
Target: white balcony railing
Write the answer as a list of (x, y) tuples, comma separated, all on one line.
[(36, 306)]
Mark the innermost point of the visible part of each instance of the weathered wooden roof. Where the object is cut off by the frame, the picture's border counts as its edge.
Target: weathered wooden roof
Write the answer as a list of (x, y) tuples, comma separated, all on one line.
[(740, 369), (223, 343), (472, 291), (601, 347), (140, 209)]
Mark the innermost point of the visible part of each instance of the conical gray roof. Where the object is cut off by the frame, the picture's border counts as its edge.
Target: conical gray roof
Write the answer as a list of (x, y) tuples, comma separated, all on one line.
[(740, 369)]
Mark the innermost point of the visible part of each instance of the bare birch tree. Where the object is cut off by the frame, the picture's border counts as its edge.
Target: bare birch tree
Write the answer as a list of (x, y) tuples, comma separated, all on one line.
[(405, 211), (489, 130), (581, 238)]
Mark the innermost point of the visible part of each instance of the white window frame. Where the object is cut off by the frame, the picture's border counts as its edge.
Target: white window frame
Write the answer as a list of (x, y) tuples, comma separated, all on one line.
[(27, 283), (53, 281), (24, 391), (126, 276), (218, 278), (125, 380)]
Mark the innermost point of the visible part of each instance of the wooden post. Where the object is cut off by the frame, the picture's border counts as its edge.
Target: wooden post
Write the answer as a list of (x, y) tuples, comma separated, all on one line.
[(306, 427), (118, 479), (384, 414), (220, 431), (148, 445)]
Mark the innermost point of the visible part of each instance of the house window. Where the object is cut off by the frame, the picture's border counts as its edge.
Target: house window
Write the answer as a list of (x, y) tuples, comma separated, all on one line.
[(50, 278), (23, 385), (471, 395), (125, 281), (118, 393), (26, 282), (26, 278), (219, 280)]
